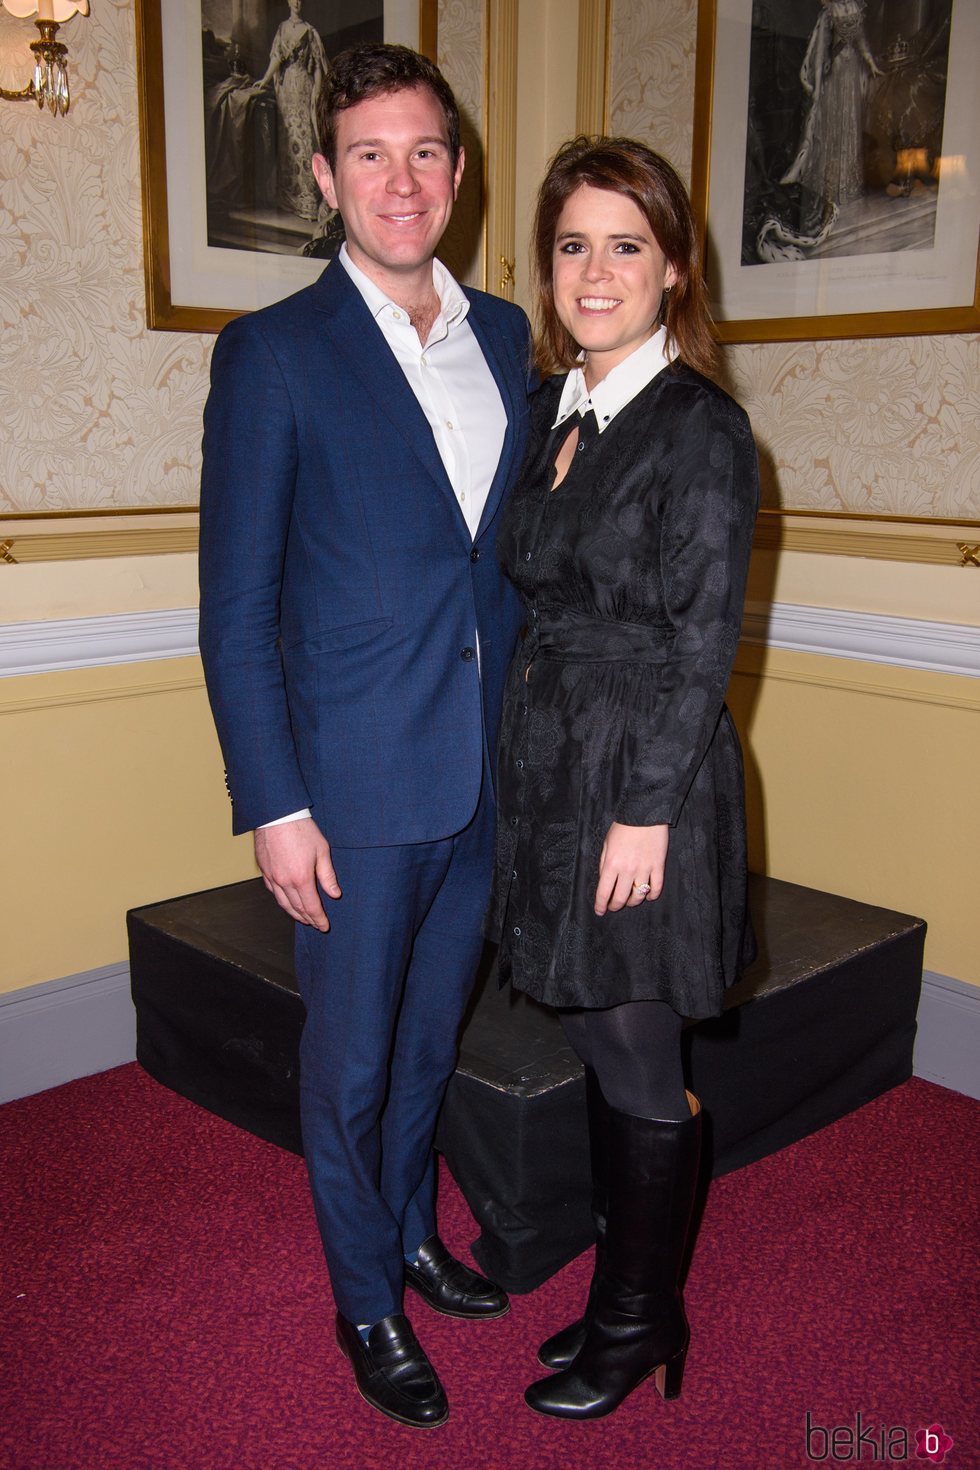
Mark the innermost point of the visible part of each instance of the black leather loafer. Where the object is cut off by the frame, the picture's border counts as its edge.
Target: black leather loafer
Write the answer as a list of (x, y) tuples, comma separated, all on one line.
[(448, 1286), (392, 1372)]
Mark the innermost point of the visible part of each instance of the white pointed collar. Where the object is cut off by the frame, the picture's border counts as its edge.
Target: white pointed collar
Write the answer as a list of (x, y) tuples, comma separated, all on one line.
[(619, 387)]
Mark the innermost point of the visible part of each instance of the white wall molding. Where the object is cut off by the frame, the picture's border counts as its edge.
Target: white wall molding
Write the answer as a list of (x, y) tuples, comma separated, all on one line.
[(118, 638), (86, 1023), (63, 1029), (877, 638), (947, 1042), (82, 643)]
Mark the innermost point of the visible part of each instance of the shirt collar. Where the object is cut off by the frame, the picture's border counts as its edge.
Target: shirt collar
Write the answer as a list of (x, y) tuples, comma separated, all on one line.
[(619, 387), (453, 302)]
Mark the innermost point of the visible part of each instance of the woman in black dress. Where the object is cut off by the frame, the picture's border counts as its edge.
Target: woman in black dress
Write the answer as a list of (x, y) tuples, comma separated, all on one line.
[(619, 893)]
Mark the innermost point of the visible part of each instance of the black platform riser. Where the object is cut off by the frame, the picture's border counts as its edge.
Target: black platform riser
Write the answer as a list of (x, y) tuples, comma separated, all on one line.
[(824, 1022)]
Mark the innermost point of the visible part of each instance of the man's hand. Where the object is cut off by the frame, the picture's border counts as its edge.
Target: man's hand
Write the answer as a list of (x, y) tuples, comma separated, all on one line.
[(631, 858), (294, 857)]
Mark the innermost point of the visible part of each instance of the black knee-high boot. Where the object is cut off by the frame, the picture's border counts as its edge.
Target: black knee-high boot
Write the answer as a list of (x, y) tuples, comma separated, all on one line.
[(638, 1327), (562, 1347)]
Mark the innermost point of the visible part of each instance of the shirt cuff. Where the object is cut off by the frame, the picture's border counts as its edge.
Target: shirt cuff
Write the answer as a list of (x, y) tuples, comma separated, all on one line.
[(281, 821)]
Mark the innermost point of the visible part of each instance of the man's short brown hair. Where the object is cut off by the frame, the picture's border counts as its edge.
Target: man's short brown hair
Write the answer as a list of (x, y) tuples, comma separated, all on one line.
[(373, 70)]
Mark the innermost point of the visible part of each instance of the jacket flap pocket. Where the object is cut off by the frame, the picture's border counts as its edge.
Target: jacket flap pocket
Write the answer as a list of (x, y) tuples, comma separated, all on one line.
[(350, 636)]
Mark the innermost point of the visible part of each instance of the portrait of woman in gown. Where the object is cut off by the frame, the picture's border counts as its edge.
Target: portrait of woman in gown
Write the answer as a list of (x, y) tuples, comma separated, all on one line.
[(829, 163), (260, 136), (296, 71), (620, 885)]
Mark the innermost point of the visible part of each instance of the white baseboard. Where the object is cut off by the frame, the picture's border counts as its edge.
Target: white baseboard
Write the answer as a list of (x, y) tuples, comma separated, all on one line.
[(63, 1029), (947, 1043), (86, 1023)]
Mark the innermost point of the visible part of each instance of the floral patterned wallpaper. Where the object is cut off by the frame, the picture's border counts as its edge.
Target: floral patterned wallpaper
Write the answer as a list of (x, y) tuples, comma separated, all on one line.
[(97, 413), (887, 426)]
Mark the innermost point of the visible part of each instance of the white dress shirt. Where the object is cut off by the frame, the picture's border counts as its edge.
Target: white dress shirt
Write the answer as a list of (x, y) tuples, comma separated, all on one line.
[(450, 378), (455, 389), (620, 385)]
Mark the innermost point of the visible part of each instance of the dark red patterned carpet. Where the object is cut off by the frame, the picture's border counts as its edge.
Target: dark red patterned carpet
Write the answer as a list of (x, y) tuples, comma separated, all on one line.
[(165, 1307)]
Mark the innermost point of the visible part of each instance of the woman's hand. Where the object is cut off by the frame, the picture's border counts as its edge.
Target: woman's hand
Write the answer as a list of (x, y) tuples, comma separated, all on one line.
[(631, 858)]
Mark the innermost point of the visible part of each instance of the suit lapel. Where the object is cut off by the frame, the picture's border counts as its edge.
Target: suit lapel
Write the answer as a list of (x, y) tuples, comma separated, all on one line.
[(360, 340), (510, 387)]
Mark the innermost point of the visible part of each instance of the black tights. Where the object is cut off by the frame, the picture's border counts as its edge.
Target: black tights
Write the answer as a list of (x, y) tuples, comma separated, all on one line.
[(635, 1051)]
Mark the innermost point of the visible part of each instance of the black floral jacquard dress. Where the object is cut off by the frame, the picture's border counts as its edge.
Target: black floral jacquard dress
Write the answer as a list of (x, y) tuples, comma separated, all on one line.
[(632, 572)]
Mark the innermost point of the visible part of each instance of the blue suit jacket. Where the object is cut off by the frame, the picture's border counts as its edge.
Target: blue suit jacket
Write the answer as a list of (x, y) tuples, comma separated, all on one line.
[(340, 587)]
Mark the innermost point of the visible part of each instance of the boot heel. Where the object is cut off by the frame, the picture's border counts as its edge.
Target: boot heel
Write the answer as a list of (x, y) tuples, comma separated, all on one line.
[(669, 1375)]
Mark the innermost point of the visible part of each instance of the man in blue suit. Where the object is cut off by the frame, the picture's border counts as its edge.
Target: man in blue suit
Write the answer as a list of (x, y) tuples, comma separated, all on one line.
[(360, 439)]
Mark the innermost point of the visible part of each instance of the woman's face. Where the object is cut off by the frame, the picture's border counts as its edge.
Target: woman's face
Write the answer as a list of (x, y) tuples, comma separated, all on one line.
[(295, 6), (609, 276)]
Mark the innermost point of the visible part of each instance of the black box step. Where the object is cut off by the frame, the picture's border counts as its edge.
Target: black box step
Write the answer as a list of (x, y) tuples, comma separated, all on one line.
[(822, 1022)]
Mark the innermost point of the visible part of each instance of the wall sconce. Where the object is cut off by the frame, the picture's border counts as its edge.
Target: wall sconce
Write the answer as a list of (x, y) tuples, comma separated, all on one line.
[(49, 84)]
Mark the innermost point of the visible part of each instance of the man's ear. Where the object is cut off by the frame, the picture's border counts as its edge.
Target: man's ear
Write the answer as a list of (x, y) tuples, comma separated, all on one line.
[(457, 176), (323, 174)]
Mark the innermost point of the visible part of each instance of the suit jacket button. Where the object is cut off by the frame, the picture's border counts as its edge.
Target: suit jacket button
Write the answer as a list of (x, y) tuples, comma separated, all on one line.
[(466, 654), (475, 554)]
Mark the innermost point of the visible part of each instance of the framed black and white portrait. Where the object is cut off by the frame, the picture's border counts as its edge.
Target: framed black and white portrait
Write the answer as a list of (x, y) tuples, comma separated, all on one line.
[(837, 147), (233, 218)]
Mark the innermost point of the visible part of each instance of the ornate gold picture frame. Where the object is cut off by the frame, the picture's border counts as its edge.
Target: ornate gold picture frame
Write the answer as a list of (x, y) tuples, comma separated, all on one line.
[(836, 167)]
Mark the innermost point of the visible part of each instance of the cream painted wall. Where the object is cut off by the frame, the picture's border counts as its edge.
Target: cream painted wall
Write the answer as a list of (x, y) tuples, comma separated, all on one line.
[(856, 776), (35, 591), (113, 797), (945, 594)]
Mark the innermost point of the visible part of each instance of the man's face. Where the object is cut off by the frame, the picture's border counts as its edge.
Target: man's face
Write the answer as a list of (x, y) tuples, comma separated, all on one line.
[(394, 182)]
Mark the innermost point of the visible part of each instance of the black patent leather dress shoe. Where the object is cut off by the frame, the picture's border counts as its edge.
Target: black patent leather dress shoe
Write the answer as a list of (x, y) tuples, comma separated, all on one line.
[(452, 1288), (392, 1372)]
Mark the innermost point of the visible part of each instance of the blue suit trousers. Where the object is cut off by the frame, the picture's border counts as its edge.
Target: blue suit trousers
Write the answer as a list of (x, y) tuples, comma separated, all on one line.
[(385, 990)]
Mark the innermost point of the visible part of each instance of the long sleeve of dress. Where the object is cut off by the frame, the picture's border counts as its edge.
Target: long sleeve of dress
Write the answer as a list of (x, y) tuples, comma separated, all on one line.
[(709, 498)]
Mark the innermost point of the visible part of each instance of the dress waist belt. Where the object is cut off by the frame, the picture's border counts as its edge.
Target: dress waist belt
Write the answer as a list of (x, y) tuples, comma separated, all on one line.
[(573, 637)]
